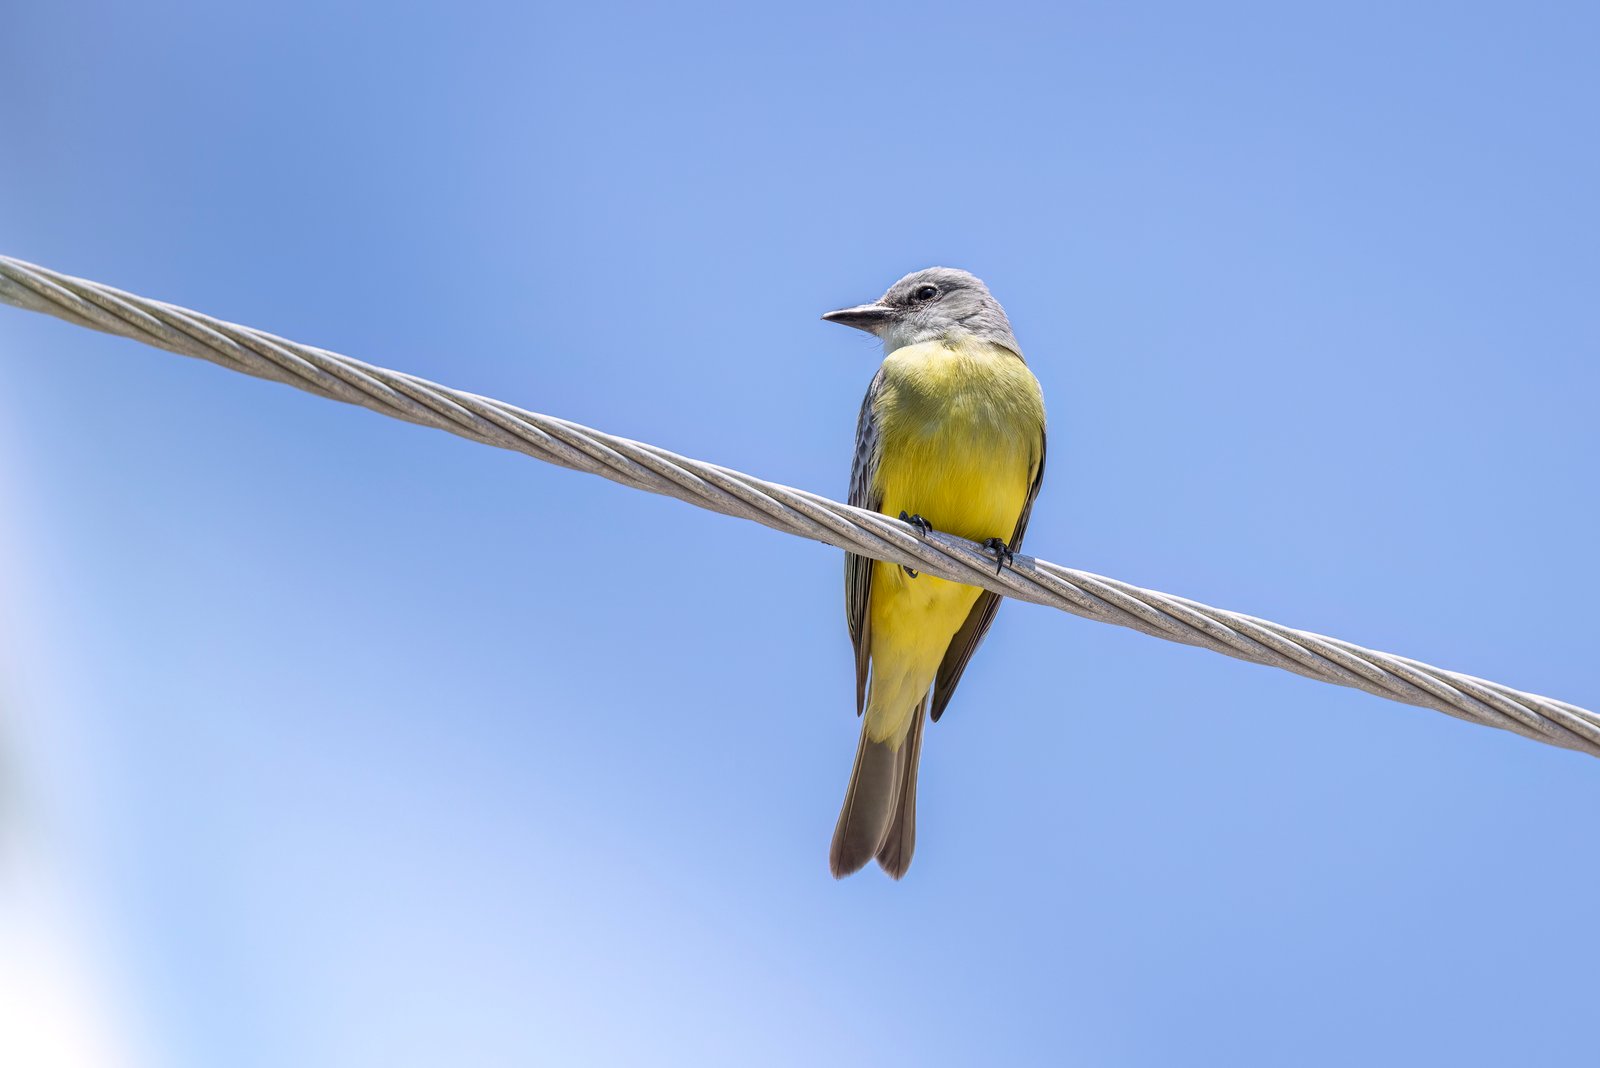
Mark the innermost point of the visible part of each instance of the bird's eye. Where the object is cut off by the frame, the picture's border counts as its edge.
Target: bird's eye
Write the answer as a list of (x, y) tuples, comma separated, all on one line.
[(925, 292)]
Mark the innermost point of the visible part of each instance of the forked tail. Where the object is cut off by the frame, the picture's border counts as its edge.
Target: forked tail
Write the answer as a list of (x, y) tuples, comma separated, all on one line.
[(879, 816)]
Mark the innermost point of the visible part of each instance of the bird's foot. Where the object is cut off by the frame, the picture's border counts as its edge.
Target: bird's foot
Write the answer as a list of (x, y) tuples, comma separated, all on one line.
[(1002, 553), (923, 526)]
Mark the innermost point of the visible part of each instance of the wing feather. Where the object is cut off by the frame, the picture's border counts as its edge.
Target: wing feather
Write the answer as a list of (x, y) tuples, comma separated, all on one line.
[(978, 621), (858, 569)]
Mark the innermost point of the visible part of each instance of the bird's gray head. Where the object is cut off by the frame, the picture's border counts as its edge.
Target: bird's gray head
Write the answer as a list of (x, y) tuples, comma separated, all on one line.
[(939, 303)]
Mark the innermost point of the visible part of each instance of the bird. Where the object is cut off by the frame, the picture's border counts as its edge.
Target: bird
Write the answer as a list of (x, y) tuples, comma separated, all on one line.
[(951, 437)]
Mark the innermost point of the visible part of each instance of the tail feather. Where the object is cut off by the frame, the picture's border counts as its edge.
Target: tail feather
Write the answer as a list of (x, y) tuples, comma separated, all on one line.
[(878, 819), (900, 841), (868, 806)]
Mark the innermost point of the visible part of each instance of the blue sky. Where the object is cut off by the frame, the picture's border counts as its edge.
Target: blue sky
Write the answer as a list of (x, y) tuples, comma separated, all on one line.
[(355, 743)]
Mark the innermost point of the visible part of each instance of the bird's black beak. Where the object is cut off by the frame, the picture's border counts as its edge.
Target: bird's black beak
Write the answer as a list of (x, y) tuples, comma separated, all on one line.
[(869, 317)]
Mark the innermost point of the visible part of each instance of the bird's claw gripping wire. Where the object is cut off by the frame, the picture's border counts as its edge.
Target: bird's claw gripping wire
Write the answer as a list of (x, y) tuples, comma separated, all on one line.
[(923, 526), (1002, 553)]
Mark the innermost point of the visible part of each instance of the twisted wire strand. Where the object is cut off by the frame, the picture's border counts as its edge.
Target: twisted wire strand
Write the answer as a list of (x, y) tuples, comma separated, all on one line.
[(794, 511)]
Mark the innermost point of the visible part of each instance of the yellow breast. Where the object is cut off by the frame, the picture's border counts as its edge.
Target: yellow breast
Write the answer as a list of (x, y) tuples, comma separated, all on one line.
[(959, 428)]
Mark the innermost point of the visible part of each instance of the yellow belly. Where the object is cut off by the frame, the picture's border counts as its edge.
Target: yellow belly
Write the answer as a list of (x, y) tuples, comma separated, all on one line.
[(960, 430)]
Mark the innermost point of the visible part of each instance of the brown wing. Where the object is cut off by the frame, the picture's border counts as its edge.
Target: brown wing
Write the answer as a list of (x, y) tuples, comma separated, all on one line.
[(858, 569), (970, 636)]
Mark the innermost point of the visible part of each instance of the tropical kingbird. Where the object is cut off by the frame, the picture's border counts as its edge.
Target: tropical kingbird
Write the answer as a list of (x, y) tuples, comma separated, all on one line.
[(951, 437)]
